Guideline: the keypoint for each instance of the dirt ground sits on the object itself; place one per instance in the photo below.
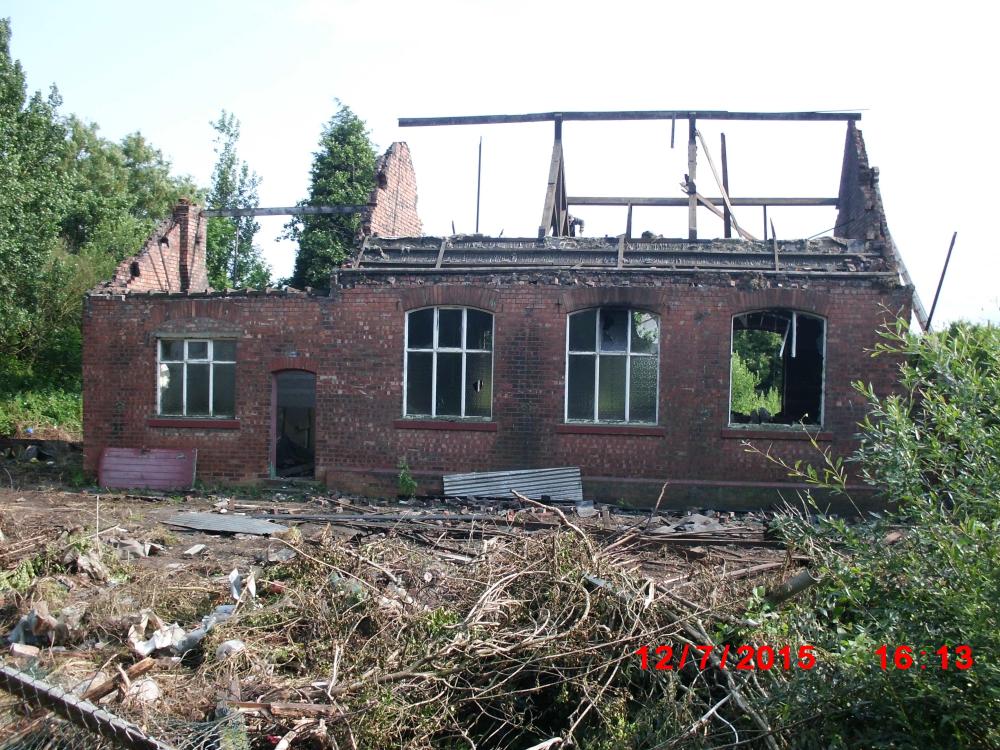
(361, 605)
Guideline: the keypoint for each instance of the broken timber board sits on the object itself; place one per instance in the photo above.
(558, 484)
(153, 468)
(225, 524)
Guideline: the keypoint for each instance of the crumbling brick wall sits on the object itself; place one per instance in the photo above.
(353, 342)
(394, 199)
(172, 260)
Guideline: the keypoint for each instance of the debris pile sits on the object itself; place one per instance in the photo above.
(498, 622)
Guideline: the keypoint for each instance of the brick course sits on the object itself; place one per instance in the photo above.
(353, 341)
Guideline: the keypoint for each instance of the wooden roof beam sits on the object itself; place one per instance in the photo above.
(665, 114)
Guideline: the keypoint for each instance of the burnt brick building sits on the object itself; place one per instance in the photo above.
(472, 353)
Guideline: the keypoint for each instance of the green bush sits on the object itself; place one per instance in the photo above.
(935, 450)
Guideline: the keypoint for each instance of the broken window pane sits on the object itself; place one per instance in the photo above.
(224, 390)
(449, 385)
(172, 388)
(777, 368)
(197, 389)
(418, 382)
(197, 350)
(580, 388)
(642, 390)
(611, 389)
(421, 330)
(645, 333)
(478, 385)
(614, 330)
(478, 330)
(224, 351)
(171, 350)
(450, 328)
(582, 330)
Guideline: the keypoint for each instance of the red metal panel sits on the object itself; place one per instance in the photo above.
(152, 468)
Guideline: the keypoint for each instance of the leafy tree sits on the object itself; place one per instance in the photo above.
(748, 396)
(33, 193)
(233, 259)
(343, 173)
(922, 576)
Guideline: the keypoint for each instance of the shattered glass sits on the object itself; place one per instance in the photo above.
(478, 385)
(614, 330)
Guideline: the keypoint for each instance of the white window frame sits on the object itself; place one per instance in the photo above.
(793, 335)
(628, 354)
(208, 359)
(435, 349)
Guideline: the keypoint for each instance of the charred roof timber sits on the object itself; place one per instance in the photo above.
(861, 246)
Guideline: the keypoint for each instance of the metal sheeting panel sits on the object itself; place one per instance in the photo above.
(155, 468)
(226, 524)
(557, 484)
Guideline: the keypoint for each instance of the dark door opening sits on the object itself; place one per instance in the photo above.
(295, 424)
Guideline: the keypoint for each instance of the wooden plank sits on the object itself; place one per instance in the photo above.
(718, 212)
(663, 114)
(691, 182)
(548, 210)
(283, 211)
(725, 196)
(225, 523)
(577, 200)
(727, 219)
(154, 468)
(440, 258)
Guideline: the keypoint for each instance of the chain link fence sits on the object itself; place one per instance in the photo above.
(40, 714)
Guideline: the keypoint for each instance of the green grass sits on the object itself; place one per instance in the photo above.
(48, 404)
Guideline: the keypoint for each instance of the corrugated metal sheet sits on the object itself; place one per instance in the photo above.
(557, 484)
(152, 468)
(225, 523)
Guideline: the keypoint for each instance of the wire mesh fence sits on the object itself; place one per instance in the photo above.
(38, 713)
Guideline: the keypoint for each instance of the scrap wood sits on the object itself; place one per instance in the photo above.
(287, 710)
(96, 692)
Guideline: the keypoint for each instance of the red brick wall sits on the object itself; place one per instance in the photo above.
(172, 260)
(394, 213)
(353, 341)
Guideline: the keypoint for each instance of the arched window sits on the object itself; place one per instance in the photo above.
(777, 368)
(448, 370)
(612, 366)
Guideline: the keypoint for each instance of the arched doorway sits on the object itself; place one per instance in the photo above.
(293, 444)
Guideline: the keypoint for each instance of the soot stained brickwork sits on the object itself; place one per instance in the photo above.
(352, 340)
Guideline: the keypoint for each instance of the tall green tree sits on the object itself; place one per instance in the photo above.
(33, 193)
(343, 173)
(233, 259)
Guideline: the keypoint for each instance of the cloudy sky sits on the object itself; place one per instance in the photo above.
(922, 77)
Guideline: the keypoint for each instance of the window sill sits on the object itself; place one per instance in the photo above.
(443, 424)
(776, 433)
(204, 423)
(611, 429)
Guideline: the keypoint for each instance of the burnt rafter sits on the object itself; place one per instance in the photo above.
(555, 214)
(556, 220)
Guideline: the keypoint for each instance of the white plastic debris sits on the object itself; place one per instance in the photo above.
(229, 648)
(197, 549)
(144, 691)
